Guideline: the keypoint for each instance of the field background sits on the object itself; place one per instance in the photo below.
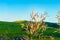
(10, 30)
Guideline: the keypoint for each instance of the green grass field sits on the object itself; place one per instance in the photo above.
(14, 29)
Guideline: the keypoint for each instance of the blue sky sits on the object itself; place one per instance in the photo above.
(12, 10)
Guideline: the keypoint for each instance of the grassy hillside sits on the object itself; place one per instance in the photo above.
(10, 29)
(14, 29)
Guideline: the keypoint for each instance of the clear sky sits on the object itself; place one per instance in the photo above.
(11, 10)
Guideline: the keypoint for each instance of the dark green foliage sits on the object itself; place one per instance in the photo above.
(55, 25)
